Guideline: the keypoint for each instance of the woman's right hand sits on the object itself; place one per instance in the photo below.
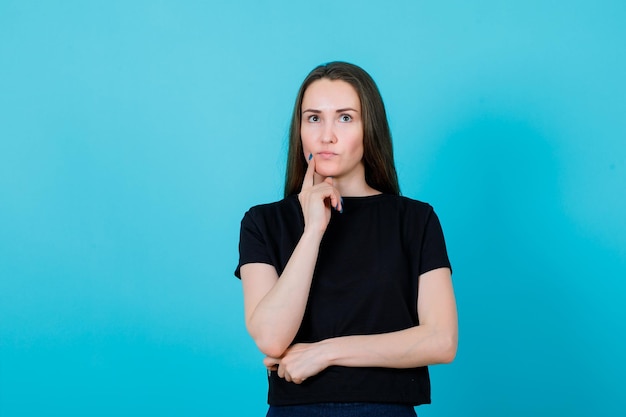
(316, 200)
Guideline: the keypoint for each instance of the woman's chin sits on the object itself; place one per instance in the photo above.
(326, 172)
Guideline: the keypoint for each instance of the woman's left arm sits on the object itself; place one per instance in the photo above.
(433, 341)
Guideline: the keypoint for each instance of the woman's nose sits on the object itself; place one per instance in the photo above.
(328, 135)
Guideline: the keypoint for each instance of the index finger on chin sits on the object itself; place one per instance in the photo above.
(309, 175)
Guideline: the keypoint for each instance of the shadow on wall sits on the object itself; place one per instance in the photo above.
(538, 300)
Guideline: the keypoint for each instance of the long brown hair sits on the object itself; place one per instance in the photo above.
(380, 170)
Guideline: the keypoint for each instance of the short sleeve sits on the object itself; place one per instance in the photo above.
(252, 245)
(433, 248)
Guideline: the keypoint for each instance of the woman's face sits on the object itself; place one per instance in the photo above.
(332, 128)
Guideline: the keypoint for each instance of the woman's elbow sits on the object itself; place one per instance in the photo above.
(271, 349)
(269, 345)
(447, 348)
(267, 342)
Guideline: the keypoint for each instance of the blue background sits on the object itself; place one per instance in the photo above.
(135, 134)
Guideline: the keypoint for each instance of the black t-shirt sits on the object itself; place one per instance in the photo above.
(365, 282)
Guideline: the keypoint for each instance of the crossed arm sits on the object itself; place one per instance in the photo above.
(274, 311)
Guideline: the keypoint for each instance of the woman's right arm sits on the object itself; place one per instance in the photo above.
(274, 307)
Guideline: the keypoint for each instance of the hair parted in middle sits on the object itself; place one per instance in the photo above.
(380, 170)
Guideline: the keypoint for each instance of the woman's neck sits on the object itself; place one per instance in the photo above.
(353, 187)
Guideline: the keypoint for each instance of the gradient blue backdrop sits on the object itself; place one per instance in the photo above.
(135, 134)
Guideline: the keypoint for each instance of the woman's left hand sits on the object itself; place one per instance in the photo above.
(300, 361)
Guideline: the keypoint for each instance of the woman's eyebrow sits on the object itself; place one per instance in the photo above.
(336, 111)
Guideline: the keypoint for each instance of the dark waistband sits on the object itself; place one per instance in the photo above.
(342, 410)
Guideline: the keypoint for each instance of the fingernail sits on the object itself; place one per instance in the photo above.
(341, 199)
(310, 156)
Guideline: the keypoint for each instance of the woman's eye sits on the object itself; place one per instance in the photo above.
(345, 118)
(314, 118)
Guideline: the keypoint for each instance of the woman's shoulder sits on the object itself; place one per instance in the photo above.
(285, 208)
(286, 203)
(408, 203)
(412, 213)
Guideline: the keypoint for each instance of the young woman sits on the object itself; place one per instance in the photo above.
(347, 285)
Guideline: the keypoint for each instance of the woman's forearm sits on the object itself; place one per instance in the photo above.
(421, 345)
(417, 346)
(276, 318)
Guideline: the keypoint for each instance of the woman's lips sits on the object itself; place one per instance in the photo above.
(326, 155)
